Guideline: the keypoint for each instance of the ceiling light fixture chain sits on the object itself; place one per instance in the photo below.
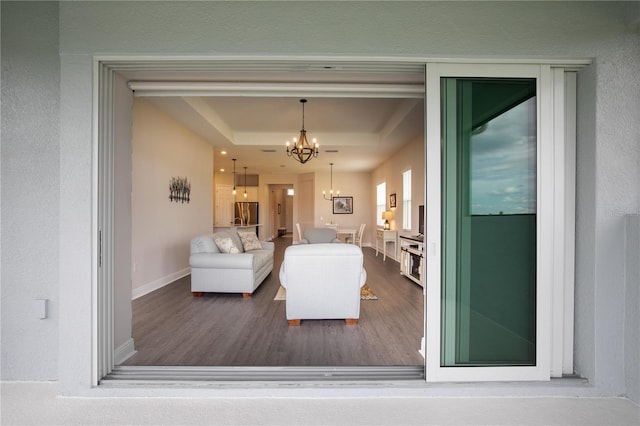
(324, 193)
(302, 151)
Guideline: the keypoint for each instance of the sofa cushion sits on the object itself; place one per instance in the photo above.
(261, 257)
(226, 245)
(234, 237)
(249, 241)
(222, 261)
(204, 244)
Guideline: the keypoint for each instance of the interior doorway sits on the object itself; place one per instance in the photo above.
(281, 202)
(105, 344)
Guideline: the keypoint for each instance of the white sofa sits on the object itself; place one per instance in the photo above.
(214, 271)
(323, 282)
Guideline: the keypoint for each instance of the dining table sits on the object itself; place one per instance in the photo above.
(348, 233)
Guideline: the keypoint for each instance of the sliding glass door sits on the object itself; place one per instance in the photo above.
(487, 293)
(489, 223)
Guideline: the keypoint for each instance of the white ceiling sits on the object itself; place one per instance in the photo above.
(357, 116)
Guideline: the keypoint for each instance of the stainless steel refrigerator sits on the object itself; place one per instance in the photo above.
(246, 213)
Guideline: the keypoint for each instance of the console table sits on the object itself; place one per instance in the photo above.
(386, 236)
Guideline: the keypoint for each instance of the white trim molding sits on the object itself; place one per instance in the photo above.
(159, 283)
(293, 90)
(124, 352)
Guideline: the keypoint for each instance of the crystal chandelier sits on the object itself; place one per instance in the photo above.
(302, 151)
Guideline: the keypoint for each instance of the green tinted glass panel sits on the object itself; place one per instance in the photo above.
(489, 217)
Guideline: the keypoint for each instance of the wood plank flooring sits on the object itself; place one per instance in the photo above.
(173, 328)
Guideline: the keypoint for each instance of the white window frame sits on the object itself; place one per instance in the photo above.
(554, 219)
(381, 202)
(406, 200)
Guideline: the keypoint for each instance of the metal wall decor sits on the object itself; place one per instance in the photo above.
(180, 190)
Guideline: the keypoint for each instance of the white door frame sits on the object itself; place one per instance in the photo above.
(102, 283)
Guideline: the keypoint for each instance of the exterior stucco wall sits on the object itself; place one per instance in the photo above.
(30, 190)
(608, 128)
(616, 194)
(632, 309)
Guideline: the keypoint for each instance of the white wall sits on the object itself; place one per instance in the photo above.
(32, 207)
(411, 156)
(162, 230)
(356, 185)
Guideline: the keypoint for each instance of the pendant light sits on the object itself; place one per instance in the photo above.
(234, 175)
(245, 181)
(324, 194)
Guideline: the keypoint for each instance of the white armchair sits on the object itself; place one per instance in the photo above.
(319, 235)
(323, 282)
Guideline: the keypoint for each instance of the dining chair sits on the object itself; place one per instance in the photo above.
(299, 231)
(358, 239)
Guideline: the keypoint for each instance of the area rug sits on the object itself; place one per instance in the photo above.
(365, 293)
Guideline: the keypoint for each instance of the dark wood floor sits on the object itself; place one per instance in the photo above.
(173, 328)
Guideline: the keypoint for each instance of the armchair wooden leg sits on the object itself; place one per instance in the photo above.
(351, 321)
(294, 322)
(196, 293)
(246, 294)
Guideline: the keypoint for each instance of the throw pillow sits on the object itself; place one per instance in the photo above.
(225, 245)
(250, 241)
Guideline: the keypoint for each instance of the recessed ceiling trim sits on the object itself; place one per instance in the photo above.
(337, 139)
(210, 116)
(327, 90)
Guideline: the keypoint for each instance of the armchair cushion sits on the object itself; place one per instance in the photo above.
(319, 236)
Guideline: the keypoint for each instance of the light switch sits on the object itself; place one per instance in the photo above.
(41, 308)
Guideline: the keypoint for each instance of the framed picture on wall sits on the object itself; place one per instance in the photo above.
(342, 205)
(392, 200)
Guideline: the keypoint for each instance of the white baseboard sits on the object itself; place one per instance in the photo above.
(124, 352)
(159, 283)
